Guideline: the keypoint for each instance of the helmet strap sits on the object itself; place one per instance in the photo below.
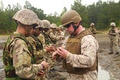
(75, 28)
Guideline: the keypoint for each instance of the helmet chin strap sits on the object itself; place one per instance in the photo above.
(75, 28)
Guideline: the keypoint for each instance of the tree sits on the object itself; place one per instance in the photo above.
(82, 10)
(64, 10)
(39, 12)
(1, 5)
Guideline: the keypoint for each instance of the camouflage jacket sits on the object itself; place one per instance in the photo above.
(37, 48)
(93, 30)
(18, 58)
(89, 48)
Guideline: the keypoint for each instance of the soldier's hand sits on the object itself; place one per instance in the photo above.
(50, 48)
(62, 52)
(54, 55)
(41, 73)
(45, 64)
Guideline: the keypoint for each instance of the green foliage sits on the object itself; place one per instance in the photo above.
(64, 10)
(53, 19)
(82, 10)
(101, 13)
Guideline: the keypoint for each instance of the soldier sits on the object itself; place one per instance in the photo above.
(41, 36)
(60, 36)
(18, 55)
(92, 28)
(33, 39)
(53, 32)
(62, 29)
(49, 42)
(113, 35)
(45, 32)
(37, 47)
(80, 49)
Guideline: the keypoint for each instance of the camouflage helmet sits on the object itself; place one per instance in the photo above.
(60, 26)
(46, 24)
(70, 16)
(92, 24)
(53, 25)
(112, 24)
(40, 25)
(26, 17)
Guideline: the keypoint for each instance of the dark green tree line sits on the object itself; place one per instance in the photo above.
(101, 13)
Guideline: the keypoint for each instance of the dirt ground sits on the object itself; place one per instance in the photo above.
(108, 62)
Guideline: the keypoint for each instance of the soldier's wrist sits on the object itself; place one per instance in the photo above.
(43, 66)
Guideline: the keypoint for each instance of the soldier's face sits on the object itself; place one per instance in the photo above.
(28, 30)
(31, 30)
(69, 29)
(37, 32)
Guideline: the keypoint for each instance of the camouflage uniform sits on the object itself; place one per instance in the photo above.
(48, 42)
(113, 35)
(92, 29)
(84, 60)
(42, 38)
(38, 52)
(35, 41)
(18, 55)
(80, 53)
(50, 39)
(46, 32)
(56, 69)
(53, 32)
(60, 36)
(37, 47)
(23, 60)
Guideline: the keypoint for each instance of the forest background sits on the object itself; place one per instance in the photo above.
(101, 13)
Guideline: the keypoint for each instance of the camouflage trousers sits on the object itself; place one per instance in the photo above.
(56, 72)
(114, 47)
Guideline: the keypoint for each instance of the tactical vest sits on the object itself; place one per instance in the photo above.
(73, 45)
(112, 31)
(8, 61)
(48, 39)
(39, 45)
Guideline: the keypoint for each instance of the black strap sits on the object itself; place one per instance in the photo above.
(10, 73)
